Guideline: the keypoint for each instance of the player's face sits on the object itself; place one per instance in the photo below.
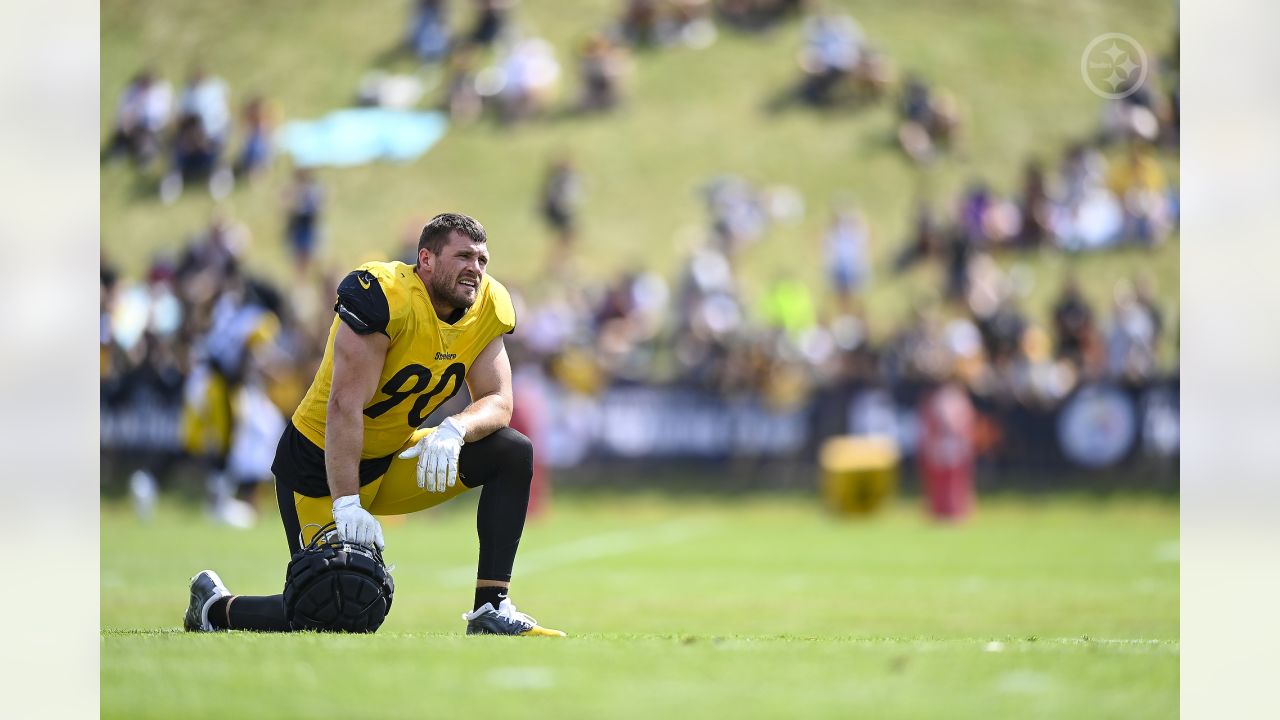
(457, 270)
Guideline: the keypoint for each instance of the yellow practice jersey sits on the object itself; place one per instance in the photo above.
(427, 360)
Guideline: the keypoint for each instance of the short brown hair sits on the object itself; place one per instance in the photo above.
(436, 233)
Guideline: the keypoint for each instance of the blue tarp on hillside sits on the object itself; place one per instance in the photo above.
(362, 135)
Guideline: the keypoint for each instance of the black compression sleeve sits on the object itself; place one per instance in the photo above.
(503, 464)
(362, 304)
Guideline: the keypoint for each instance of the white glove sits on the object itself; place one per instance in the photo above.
(355, 524)
(437, 456)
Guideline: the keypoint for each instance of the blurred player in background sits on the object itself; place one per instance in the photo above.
(404, 340)
(221, 393)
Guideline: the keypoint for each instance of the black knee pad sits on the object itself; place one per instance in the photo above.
(506, 455)
(517, 449)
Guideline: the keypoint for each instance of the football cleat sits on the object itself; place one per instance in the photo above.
(506, 620)
(206, 589)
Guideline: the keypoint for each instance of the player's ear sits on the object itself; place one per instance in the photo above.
(424, 257)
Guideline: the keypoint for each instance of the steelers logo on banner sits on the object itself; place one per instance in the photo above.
(1097, 426)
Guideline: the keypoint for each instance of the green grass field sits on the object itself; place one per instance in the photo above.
(760, 606)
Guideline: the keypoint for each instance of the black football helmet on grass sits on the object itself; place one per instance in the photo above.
(335, 586)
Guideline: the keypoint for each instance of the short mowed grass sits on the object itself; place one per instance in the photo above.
(762, 606)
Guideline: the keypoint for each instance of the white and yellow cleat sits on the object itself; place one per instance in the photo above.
(506, 620)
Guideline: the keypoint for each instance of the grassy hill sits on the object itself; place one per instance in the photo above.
(1014, 64)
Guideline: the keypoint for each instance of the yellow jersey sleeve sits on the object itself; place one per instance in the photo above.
(501, 307)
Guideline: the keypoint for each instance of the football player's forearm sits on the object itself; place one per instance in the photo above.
(343, 441)
(485, 416)
(357, 361)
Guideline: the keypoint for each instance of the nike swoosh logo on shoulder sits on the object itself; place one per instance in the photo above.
(363, 283)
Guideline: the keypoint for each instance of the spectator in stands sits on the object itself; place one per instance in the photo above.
(788, 305)
(555, 323)
(914, 105)
(305, 200)
(927, 238)
(491, 20)
(1035, 207)
(165, 317)
(1140, 185)
(154, 371)
(1002, 331)
(147, 386)
(1083, 168)
(1075, 328)
(975, 206)
(929, 120)
(111, 364)
(918, 350)
(986, 219)
(709, 312)
(256, 153)
(957, 253)
(108, 278)
(209, 259)
(1131, 338)
(201, 135)
(530, 75)
(205, 98)
(428, 36)
(601, 65)
(1172, 133)
(628, 316)
(690, 23)
(142, 320)
(1171, 117)
(833, 50)
(639, 24)
(1035, 379)
(141, 116)
(738, 216)
(560, 197)
(1144, 287)
(1135, 117)
(873, 75)
(654, 23)
(944, 126)
(1089, 215)
(964, 347)
(195, 159)
(462, 99)
(986, 285)
(848, 252)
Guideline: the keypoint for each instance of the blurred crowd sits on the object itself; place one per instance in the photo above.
(202, 360)
(495, 66)
(196, 141)
(703, 331)
(223, 356)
